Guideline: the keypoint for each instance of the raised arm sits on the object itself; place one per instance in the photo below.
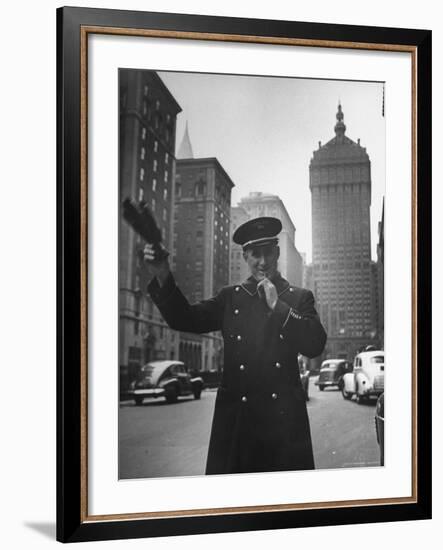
(205, 316)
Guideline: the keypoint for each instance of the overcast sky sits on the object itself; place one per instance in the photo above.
(264, 131)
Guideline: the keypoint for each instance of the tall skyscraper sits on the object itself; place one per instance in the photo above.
(148, 114)
(259, 204)
(340, 183)
(381, 279)
(201, 246)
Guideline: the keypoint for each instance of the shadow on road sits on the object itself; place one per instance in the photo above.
(161, 402)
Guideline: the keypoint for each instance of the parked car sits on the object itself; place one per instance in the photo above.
(380, 426)
(332, 372)
(168, 379)
(368, 376)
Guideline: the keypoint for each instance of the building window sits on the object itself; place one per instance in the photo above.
(145, 108)
(142, 174)
(153, 205)
(141, 194)
(143, 134)
(145, 90)
(157, 105)
(155, 146)
(200, 188)
(154, 184)
(165, 194)
(166, 158)
(154, 165)
(142, 153)
(178, 189)
(165, 215)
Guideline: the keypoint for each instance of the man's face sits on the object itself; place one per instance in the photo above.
(262, 260)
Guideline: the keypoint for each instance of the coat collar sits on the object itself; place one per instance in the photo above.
(250, 285)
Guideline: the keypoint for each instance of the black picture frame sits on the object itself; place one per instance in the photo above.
(73, 523)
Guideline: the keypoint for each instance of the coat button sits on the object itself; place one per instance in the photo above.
(274, 396)
(277, 365)
(244, 399)
(281, 337)
(291, 290)
(237, 288)
(239, 337)
(236, 312)
(242, 367)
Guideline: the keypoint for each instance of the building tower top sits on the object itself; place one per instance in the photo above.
(185, 151)
(340, 127)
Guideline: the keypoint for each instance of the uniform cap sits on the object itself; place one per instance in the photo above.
(259, 231)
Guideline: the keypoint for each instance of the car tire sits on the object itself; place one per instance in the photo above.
(138, 400)
(346, 395)
(321, 387)
(361, 399)
(197, 393)
(171, 395)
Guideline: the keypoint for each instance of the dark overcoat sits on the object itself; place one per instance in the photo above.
(260, 420)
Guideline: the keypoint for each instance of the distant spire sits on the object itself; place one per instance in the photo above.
(340, 127)
(185, 150)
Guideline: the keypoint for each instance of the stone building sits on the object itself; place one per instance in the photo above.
(340, 183)
(148, 114)
(201, 245)
(381, 279)
(259, 204)
(239, 270)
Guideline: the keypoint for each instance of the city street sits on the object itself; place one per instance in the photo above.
(158, 440)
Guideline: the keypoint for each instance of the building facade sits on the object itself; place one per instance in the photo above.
(340, 183)
(201, 247)
(381, 279)
(148, 114)
(259, 204)
(239, 270)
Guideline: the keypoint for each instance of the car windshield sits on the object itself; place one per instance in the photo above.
(378, 359)
(331, 366)
(147, 370)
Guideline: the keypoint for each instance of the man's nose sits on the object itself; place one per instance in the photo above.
(261, 259)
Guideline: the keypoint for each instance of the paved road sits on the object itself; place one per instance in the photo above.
(160, 440)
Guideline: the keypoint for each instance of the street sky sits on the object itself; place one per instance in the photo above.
(263, 130)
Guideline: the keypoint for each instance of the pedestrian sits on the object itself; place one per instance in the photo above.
(260, 421)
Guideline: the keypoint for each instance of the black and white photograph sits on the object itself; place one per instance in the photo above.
(251, 273)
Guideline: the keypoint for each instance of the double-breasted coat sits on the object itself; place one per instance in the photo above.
(260, 421)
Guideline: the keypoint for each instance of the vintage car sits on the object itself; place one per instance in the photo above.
(168, 379)
(367, 378)
(380, 426)
(332, 372)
